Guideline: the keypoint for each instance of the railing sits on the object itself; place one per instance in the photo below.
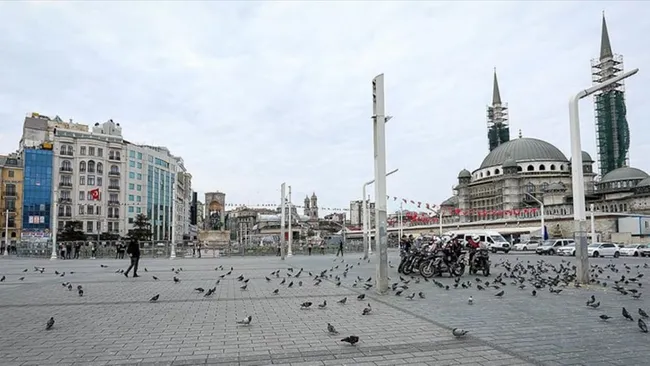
(10, 193)
(63, 214)
(113, 202)
(113, 173)
(65, 200)
(106, 249)
(66, 153)
(115, 158)
(65, 169)
(113, 216)
(114, 188)
(65, 184)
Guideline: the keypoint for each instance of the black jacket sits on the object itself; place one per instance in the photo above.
(133, 248)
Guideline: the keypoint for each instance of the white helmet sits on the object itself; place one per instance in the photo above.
(476, 237)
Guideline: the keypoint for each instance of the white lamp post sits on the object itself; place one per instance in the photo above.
(366, 219)
(172, 254)
(290, 242)
(6, 232)
(541, 205)
(593, 224)
(577, 179)
(282, 220)
(54, 224)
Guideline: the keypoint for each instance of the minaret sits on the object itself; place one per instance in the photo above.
(497, 118)
(612, 131)
(314, 206)
(306, 208)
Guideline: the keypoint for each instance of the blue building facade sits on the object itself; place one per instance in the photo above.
(37, 190)
(160, 182)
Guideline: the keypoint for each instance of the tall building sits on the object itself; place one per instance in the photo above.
(356, 213)
(612, 131)
(37, 193)
(100, 179)
(497, 118)
(11, 198)
(310, 208)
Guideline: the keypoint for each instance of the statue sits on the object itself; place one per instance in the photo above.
(215, 220)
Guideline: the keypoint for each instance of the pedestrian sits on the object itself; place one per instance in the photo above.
(93, 250)
(194, 249)
(77, 249)
(340, 248)
(134, 252)
(63, 253)
(279, 253)
(309, 248)
(322, 247)
(68, 250)
(198, 249)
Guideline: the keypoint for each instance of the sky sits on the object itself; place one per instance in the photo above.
(253, 94)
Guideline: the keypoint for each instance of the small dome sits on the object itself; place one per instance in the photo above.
(464, 174)
(510, 163)
(643, 183)
(624, 173)
(556, 187)
(586, 158)
(523, 149)
(451, 201)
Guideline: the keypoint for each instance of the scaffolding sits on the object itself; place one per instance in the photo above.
(612, 130)
(498, 125)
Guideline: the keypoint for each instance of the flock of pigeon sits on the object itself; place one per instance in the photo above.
(536, 274)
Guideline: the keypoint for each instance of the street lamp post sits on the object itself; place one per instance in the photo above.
(6, 232)
(577, 179)
(54, 218)
(172, 253)
(379, 134)
(289, 250)
(541, 206)
(593, 224)
(282, 220)
(366, 219)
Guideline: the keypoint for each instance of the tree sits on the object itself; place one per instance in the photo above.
(141, 228)
(72, 231)
(109, 236)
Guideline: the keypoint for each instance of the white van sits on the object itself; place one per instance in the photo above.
(494, 241)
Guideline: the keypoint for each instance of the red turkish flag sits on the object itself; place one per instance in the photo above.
(94, 194)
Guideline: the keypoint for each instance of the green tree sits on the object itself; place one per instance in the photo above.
(72, 231)
(141, 228)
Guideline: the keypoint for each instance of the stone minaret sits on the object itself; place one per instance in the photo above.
(497, 118)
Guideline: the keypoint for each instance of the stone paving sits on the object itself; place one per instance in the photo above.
(114, 323)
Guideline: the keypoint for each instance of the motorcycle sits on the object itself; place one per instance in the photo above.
(410, 261)
(480, 262)
(435, 265)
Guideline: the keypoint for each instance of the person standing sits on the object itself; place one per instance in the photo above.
(134, 252)
(77, 249)
(340, 248)
(309, 248)
(198, 249)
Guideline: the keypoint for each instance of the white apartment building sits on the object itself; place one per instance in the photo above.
(85, 162)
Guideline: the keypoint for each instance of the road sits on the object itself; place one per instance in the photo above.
(114, 323)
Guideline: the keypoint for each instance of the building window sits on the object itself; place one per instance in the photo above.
(100, 152)
(542, 167)
(91, 151)
(139, 176)
(100, 168)
(82, 180)
(138, 210)
(138, 198)
(99, 181)
(132, 154)
(82, 150)
(139, 187)
(131, 198)
(131, 163)
(89, 209)
(131, 186)
(131, 208)
(496, 171)
(131, 175)
(81, 209)
(82, 166)
(91, 166)
(11, 174)
(99, 226)
(552, 166)
(90, 180)
(561, 167)
(530, 168)
(89, 226)
(530, 187)
(544, 187)
(139, 165)
(139, 156)
(82, 195)
(115, 169)
(98, 210)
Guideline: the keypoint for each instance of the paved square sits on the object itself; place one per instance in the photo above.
(114, 323)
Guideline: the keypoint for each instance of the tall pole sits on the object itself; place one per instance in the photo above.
(368, 225)
(440, 220)
(593, 224)
(53, 225)
(289, 249)
(364, 218)
(400, 221)
(6, 231)
(172, 253)
(541, 205)
(282, 219)
(381, 232)
(577, 179)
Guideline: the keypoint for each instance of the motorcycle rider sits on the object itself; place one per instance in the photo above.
(474, 243)
(406, 246)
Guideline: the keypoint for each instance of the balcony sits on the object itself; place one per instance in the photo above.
(66, 153)
(113, 202)
(113, 173)
(11, 193)
(65, 185)
(113, 188)
(65, 169)
(10, 209)
(65, 200)
(114, 158)
(113, 216)
(64, 214)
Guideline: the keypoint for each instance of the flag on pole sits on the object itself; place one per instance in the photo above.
(94, 194)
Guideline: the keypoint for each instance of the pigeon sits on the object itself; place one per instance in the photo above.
(642, 325)
(367, 310)
(199, 289)
(331, 329)
(155, 298)
(21, 278)
(627, 315)
(343, 300)
(361, 297)
(245, 321)
(470, 300)
(306, 305)
(411, 296)
(534, 293)
(421, 294)
(459, 332)
(155, 278)
(243, 288)
(595, 305)
(351, 339)
(500, 293)
(643, 313)
(50, 324)
(591, 300)
(81, 292)
(176, 279)
(276, 291)
(267, 279)
(145, 269)
(323, 305)
(605, 317)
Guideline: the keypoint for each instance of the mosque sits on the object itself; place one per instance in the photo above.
(519, 174)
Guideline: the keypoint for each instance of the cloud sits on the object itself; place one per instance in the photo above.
(253, 94)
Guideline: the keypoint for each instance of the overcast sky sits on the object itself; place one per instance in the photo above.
(253, 94)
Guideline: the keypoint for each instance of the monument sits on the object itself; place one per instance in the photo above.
(214, 234)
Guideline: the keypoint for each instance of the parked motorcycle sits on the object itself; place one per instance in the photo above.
(480, 262)
(435, 265)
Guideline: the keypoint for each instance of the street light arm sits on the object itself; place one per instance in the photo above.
(597, 87)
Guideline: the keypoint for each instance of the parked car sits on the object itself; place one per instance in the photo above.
(603, 250)
(569, 249)
(633, 250)
(550, 247)
(530, 245)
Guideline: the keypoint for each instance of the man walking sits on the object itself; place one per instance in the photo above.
(340, 247)
(134, 251)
